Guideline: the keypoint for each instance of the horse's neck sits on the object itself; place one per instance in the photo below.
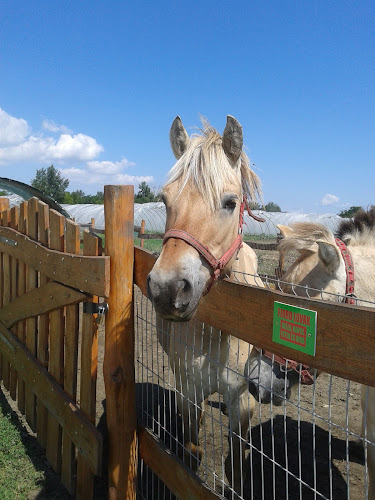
(245, 267)
(364, 272)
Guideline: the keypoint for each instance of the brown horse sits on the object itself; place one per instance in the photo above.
(205, 198)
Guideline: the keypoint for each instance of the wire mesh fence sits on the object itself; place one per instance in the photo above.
(305, 442)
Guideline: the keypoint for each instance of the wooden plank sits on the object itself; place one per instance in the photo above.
(246, 312)
(89, 274)
(172, 471)
(23, 228)
(64, 410)
(4, 203)
(68, 464)
(56, 347)
(262, 246)
(89, 368)
(14, 216)
(41, 300)
(6, 295)
(43, 331)
(31, 323)
(119, 344)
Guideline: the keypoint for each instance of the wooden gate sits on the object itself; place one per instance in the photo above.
(45, 273)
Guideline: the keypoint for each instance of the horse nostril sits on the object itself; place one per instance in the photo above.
(186, 286)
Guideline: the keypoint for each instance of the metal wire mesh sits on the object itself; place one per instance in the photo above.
(305, 444)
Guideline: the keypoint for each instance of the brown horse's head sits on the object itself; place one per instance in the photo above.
(203, 197)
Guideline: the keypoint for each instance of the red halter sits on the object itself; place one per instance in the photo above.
(349, 268)
(216, 264)
(290, 365)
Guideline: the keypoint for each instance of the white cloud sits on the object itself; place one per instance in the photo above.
(12, 130)
(51, 126)
(46, 149)
(18, 144)
(329, 199)
(83, 176)
(110, 167)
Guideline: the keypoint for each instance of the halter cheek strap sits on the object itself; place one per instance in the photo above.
(349, 268)
(217, 265)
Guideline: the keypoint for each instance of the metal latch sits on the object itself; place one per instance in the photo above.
(96, 308)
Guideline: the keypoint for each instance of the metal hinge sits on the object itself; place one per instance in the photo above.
(96, 308)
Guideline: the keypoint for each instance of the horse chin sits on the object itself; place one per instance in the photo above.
(173, 314)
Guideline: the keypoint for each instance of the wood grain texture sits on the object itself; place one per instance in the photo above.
(172, 471)
(68, 464)
(22, 273)
(88, 274)
(56, 347)
(5, 218)
(345, 334)
(14, 216)
(89, 369)
(31, 323)
(43, 327)
(64, 410)
(41, 300)
(119, 374)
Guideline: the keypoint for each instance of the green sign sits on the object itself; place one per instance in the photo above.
(294, 327)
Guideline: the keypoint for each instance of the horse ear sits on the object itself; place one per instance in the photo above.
(329, 255)
(232, 139)
(285, 230)
(178, 137)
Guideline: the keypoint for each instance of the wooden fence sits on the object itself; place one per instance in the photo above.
(45, 274)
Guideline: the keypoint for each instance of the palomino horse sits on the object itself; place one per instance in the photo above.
(205, 197)
(320, 270)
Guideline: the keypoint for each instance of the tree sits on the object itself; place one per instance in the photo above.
(272, 207)
(144, 195)
(350, 212)
(50, 181)
(78, 197)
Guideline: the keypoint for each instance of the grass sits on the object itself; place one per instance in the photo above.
(24, 472)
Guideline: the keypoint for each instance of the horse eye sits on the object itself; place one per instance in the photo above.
(229, 205)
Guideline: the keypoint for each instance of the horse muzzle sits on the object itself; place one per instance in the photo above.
(174, 298)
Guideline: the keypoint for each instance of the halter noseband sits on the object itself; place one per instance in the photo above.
(217, 265)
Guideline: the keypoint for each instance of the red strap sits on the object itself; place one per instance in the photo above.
(349, 268)
(301, 368)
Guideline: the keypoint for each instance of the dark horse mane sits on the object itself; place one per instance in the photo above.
(358, 224)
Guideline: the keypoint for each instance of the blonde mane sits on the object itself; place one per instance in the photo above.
(304, 237)
(205, 164)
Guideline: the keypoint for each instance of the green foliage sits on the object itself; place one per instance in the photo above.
(3, 193)
(272, 207)
(79, 197)
(350, 212)
(50, 181)
(144, 195)
(269, 207)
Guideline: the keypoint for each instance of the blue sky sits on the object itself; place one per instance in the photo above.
(94, 86)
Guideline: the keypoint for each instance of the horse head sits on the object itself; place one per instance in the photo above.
(203, 197)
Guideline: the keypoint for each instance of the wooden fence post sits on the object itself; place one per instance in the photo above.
(118, 367)
(142, 232)
(4, 204)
